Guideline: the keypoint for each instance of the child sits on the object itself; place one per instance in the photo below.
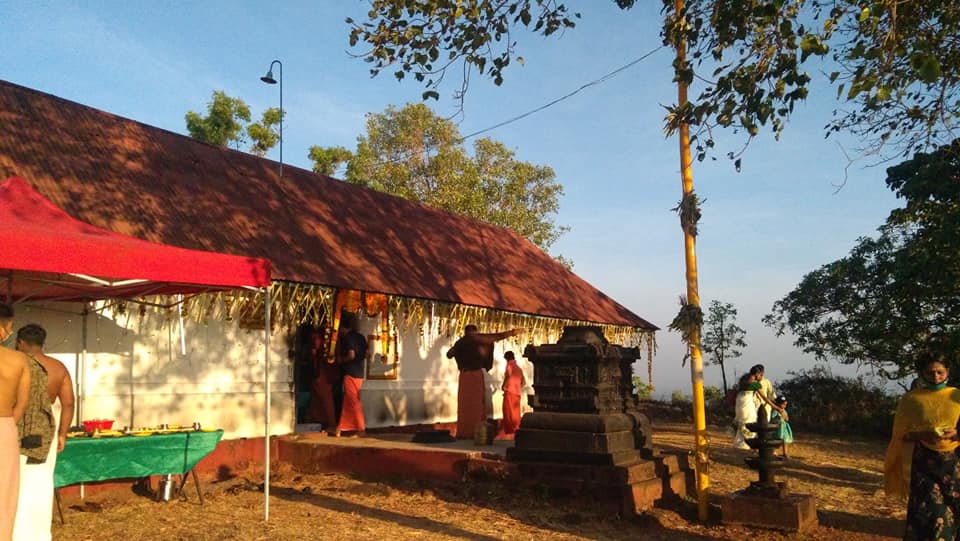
(785, 433)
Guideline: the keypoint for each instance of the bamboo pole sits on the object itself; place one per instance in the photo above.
(693, 293)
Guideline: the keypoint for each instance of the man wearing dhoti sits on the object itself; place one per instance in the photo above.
(48, 417)
(352, 351)
(474, 355)
(14, 393)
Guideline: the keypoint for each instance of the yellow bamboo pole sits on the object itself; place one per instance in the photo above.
(693, 294)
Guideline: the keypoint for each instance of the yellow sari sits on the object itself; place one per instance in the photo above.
(919, 409)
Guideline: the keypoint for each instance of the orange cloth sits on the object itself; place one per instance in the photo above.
(9, 476)
(351, 416)
(470, 406)
(511, 413)
(513, 381)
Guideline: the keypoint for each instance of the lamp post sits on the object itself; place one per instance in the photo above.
(268, 78)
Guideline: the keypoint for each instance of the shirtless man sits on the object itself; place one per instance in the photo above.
(474, 355)
(14, 390)
(35, 507)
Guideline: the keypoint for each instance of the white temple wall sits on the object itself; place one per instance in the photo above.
(425, 390)
(137, 374)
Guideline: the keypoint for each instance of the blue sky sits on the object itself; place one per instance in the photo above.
(762, 229)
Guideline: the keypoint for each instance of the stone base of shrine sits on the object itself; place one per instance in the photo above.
(607, 457)
(792, 513)
(629, 488)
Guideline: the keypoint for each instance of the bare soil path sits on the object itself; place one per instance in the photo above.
(844, 475)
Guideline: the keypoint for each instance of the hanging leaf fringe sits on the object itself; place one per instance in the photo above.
(294, 303)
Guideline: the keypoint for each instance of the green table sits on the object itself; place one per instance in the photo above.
(99, 459)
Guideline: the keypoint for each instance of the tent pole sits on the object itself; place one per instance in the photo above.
(266, 408)
(81, 373)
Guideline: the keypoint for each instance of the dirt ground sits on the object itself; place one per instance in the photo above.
(844, 475)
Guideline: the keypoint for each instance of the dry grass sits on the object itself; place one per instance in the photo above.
(843, 475)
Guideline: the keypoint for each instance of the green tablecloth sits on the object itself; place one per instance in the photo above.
(99, 459)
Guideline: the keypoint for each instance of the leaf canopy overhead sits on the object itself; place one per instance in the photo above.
(895, 64)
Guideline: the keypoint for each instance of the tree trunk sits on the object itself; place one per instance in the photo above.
(723, 374)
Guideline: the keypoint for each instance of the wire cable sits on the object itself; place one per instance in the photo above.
(595, 82)
(511, 120)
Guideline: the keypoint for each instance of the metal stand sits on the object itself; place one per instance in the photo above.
(196, 484)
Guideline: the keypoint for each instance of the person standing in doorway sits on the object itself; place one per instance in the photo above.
(14, 393)
(513, 384)
(474, 355)
(351, 352)
(50, 412)
(328, 376)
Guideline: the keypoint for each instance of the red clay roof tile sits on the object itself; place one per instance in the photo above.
(165, 187)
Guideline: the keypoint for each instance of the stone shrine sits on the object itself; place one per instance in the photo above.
(586, 432)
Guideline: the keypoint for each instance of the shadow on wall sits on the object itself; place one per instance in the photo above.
(137, 374)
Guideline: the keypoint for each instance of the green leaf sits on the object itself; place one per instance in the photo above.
(926, 66)
(811, 44)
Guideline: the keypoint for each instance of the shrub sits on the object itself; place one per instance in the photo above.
(818, 401)
(677, 399)
(641, 389)
(717, 410)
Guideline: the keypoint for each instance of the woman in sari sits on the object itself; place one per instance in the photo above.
(746, 410)
(749, 399)
(921, 461)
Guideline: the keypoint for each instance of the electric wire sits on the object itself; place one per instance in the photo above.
(521, 116)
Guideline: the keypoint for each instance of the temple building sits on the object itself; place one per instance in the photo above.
(414, 275)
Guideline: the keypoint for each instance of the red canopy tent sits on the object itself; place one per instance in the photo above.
(46, 254)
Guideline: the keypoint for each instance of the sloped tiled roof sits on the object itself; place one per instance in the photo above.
(164, 187)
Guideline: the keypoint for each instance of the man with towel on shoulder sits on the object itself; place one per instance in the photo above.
(14, 391)
(48, 416)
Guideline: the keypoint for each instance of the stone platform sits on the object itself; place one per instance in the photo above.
(791, 513)
(603, 456)
(632, 488)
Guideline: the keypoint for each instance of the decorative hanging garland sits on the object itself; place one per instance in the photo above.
(295, 303)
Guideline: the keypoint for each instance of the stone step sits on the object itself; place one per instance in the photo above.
(643, 495)
(637, 486)
(669, 463)
(602, 476)
(615, 458)
(574, 442)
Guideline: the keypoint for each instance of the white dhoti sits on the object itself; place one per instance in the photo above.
(35, 504)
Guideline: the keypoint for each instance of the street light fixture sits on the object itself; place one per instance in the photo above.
(268, 78)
